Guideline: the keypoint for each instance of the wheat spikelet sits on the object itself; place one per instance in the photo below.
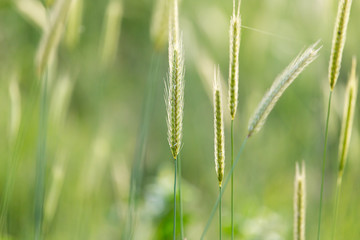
(174, 89)
(111, 32)
(348, 116)
(339, 38)
(235, 26)
(299, 203)
(279, 86)
(218, 129)
(51, 36)
(15, 114)
(74, 23)
(160, 24)
(33, 11)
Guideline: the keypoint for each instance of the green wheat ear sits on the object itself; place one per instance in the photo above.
(299, 203)
(279, 86)
(338, 42)
(235, 26)
(348, 116)
(174, 89)
(219, 144)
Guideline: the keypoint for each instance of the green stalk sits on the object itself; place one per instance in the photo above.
(41, 163)
(220, 214)
(140, 147)
(232, 180)
(14, 155)
(337, 196)
(174, 228)
(323, 163)
(180, 200)
(223, 188)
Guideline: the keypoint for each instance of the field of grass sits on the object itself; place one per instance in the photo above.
(84, 152)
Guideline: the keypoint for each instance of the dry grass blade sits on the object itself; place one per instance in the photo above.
(299, 203)
(279, 86)
(348, 116)
(219, 145)
(339, 37)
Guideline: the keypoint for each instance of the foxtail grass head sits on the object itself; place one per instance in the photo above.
(338, 42)
(299, 203)
(175, 86)
(219, 140)
(279, 86)
(348, 116)
(235, 26)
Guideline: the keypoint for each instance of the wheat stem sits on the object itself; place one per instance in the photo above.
(136, 173)
(174, 226)
(232, 179)
(220, 214)
(180, 200)
(323, 162)
(337, 200)
(41, 162)
(227, 179)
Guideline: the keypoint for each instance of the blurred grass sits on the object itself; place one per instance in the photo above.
(294, 130)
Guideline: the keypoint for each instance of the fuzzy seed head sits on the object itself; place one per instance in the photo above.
(235, 26)
(348, 117)
(174, 89)
(299, 203)
(280, 84)
(338, 42)
(219, 140)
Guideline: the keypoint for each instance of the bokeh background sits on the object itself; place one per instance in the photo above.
(106, 117)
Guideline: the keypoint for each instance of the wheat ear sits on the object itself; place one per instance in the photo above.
(279, 86)
(338, 42)
(348, 116)
(218, 129)
(299, 203)
(175, 86)
(235, 26)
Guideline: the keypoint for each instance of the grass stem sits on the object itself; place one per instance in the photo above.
(323, 162)
(223, 188)
(180, 200)
(220, 213)
(232, 180)
(174, 227)
(141, 146)
(41, 162)
(337, 199)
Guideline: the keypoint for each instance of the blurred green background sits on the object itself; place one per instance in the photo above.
(104, 96)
